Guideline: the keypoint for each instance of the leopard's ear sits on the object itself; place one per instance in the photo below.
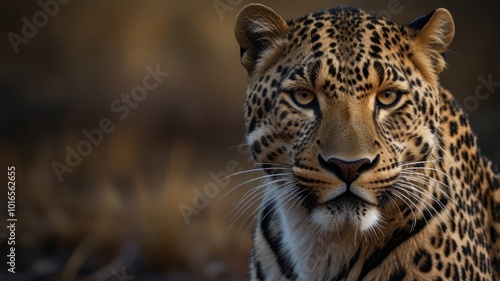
(257, 28)
(433, 34)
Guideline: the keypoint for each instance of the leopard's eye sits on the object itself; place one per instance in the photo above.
(303, 97)
(388, 98)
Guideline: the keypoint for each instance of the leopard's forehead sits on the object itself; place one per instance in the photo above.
(346, 43)
(346, 30)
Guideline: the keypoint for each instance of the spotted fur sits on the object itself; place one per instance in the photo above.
(374, 172)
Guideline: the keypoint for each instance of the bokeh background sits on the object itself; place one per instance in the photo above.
(116, 215)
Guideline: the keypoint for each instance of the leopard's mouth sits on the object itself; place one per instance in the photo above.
(348, 198)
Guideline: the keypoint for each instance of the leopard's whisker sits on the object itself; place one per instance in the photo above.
(262, 185)
(419, 162)
(431, 169)
(252, 171)
(403, 192)
(273, 208)
(237, 146)
(404, 199)
(262, 202)
(433, 198)
(254, 189)
(417, 177)
(274, 164)
(254, 200)
(255, 179)
(248, 204)
(444, 152)
(262, 191)
(252, 215)
(395, 203)
(415, 171)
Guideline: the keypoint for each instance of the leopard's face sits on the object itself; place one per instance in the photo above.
(341, 104)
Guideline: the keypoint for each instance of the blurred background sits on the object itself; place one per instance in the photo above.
(143, 198)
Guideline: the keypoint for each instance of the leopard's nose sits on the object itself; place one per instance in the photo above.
(347, 171)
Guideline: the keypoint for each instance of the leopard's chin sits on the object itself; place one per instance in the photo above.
(346, 213)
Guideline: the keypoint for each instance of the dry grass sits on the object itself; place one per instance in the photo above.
(116, 218)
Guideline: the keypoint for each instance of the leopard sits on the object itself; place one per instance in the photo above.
(372, 169)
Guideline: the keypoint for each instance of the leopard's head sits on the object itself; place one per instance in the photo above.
(338, 102)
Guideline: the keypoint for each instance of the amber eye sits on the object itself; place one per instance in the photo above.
(303, 97)
(388, 98)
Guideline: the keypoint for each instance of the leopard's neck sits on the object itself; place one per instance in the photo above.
(474, 176)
